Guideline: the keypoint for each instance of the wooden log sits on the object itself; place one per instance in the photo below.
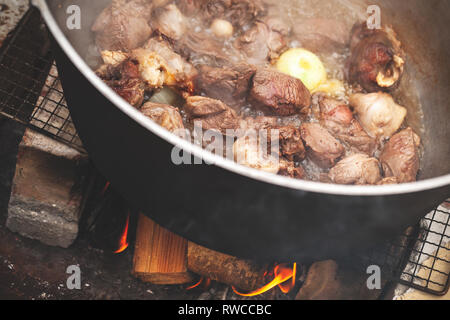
(242, 274)
(159, 256)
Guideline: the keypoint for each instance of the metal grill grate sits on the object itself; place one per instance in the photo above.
(428, 266)
(52, 115)
(30, 92)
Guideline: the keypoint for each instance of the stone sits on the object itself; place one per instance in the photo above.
(44, 203)
(321, 282)
(327, 280)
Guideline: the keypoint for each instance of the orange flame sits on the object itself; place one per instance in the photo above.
(282, 274)
(206, 283)
(123, 241)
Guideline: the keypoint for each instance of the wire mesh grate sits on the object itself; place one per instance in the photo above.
(30, 90)
(52, 114)
(428, 264)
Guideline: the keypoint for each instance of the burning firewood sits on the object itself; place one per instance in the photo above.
(162, 257)
(159, 256)
(223, 268)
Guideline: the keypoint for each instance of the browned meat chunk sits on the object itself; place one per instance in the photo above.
(166, 116)
(378, 113)
(261, 43)
(322, 148)
(125, 80)
(291, 144)
(400, 157)
(228, 84)
(123, 25)
(131, 90)
(337, 117)
(321, 35)
(356, 169)
(212, 114)
(377, 59)
(279, 93)
(170, 22)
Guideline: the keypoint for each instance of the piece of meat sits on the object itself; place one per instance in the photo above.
(131, 90)
(378, 113)
(166, 116)
(170, 22)
(261, 43)
(111, 61)
(279, 93)
(228, 84)
(321, 35)
(153, 68)
(357, 169)
(125, 80)
(377, 59)
(183, 72)
(248, 152)
(211, 114)
(238, 12)
(337, 117)
(113, 58)
(123, 25)
(400, 156)
(322, 148)
(291, 144)
(159, 66)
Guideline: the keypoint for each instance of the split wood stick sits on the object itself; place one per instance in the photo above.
(159, 256)
(242, 274)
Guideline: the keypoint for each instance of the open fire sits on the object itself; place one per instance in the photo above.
(284, 279)
(282, 276)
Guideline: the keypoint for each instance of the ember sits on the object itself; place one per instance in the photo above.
(282, 275)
